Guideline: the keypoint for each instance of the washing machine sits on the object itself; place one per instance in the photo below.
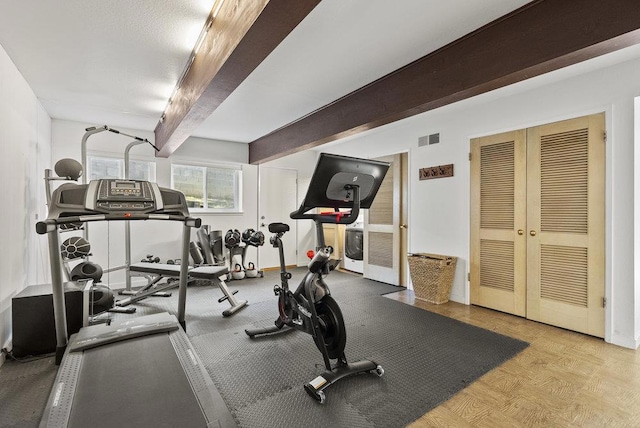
(354, 246)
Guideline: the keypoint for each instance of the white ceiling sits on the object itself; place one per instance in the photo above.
(116, 62)
(111, 62)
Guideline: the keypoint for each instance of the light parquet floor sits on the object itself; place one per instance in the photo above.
(563, 379)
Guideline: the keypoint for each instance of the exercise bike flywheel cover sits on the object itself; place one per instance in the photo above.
(332, 328)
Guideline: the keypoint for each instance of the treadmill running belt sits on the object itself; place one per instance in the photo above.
(142, 392)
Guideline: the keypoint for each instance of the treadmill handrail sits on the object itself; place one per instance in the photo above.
(44, 226)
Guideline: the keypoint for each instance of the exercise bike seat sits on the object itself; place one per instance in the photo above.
(278, 227)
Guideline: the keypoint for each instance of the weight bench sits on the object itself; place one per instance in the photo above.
(157, 271)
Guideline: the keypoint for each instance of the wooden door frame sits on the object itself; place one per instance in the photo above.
(404, 218)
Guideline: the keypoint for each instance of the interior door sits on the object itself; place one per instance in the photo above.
(498, 222)
(537, 223)
(382, 228)
(565, 236)
(278, 193)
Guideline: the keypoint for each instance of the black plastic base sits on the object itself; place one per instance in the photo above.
(316, 387)
(266, 330)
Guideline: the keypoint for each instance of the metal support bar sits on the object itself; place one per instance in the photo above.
(96, 129)
(184, 271)
(127, 224)
(59, 308)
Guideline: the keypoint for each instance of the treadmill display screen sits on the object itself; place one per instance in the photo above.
(121, 185)
(125, 188)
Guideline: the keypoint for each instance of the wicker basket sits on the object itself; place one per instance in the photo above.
(432, 276)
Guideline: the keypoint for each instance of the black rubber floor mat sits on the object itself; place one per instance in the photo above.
(427, 358)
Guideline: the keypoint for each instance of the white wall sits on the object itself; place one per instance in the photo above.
(26, 142)
(160, 238)
(439, 209)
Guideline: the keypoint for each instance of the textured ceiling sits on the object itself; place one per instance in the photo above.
(104, 62)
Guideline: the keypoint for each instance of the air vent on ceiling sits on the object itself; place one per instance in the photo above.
(428, 140)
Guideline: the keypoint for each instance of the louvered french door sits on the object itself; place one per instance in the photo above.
(498, 212)
(556, 252)
(565, 222)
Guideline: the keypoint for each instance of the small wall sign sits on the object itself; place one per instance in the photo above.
(439, 171)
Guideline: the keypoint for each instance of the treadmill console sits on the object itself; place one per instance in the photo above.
(113, 196)
(124, 195)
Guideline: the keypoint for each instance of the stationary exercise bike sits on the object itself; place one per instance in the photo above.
(338, 182)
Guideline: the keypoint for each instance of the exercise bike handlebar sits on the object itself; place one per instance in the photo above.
(336, 217)
(48, 225)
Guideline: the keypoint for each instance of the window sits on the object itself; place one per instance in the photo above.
(99, 167)
(216, 189)
(106, 167)
(142, 170)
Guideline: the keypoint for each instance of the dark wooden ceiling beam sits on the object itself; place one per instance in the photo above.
(241, 36)
(538, 38)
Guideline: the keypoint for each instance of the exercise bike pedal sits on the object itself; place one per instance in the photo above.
(223, 298)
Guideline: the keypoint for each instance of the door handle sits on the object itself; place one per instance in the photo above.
(520, 232)
(532, 232)
(403, 226)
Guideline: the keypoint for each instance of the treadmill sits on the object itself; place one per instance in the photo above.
(140, 372)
